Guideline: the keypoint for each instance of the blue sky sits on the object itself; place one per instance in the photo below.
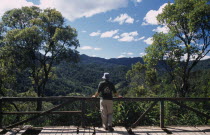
(106, 28)
(129, 39)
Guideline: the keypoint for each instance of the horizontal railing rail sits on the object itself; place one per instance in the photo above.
(8, 99)
(66, 99)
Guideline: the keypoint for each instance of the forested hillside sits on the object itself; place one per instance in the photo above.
(84, 76)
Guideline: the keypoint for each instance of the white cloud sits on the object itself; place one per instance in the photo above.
(86, 48)
(70, 9)
(90, 48)
(184, 58)
(93, 34)
(163, 29)
(138, 1)
(97, 49)
(123, 18)
(73, 9)
(150, 18)
(141, 38)
(129, 53)
(148, 41)
(116, 37)
(108, 34)
(84, 31)
(125, 54)
(128, 37)
(124, 37)
(121, 56)
(10, 4)
(205, 57)
(142, 54)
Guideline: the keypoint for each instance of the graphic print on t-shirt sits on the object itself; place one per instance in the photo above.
(106, 90)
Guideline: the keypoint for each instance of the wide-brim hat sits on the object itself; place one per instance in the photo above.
(105, 76)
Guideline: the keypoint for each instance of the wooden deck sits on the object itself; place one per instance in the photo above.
(72, 130)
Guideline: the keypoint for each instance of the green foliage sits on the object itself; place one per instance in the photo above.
(173, 65)
(180, 50)
(35, 40)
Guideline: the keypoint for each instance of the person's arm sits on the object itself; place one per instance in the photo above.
(95, 95)
(98, 91)
(117, 95)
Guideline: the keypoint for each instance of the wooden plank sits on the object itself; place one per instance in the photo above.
(69, 130)
(120, 131)
(72, 130)
(66, 130)
(185, 131)
(149, 130)
(60, 130)
(100, 131)
(81, 131)
(157, 131)
(175, 131)
(141, 130)
(91, 130)
(54, 131)
(205, 129)
(197, 131)
(51, 131)
(46, 131)
(190, 131)
(20, 132)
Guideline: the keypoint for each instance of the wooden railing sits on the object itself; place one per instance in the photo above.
(84, 100)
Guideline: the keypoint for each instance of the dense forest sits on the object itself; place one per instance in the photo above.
(84, 76)
(39, 57)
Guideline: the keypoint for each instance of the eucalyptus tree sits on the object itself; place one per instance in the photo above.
(187, 42)
(37, 39)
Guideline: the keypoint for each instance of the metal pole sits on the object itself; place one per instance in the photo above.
(162, 114)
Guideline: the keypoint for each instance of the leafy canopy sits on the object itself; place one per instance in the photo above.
(36, 39)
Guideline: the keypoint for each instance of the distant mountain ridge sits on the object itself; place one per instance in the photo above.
(118, 61)
(203, 64)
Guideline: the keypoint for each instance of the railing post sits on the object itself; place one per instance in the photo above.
(162, 114)
(1, 116)
(83, 119)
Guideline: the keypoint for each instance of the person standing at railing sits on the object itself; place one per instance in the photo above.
(106, 89)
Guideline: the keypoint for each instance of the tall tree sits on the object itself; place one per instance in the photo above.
(36, 39)
(187, 42)
(136, 77)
